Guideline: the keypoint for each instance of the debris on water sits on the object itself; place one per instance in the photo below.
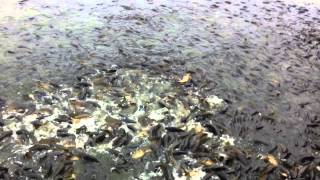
(140, 153)
(207, 162)
(227, 140)
(186, 78)
(214, 101)
(158, 114)
(271, 159)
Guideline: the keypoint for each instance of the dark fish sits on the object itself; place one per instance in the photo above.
(235, 153)
(63, 133)
(174, 129)
(94, 104)
(3, 170)
(208, 176)
(267, 170)
(179, 153)
(85, 93)
(183, 144)
(268, 118)
(25, 135)
(81, 78)
(1, 121)
(82, 129)
(127, 7)
(166, 140)
(259, 127)
(222, 175)
(39, 147)
(132, 128)
(89, 158)
(30, 174)
(122, 139)
(144, 121)
(22, 2)
(215, 168)
(114, 152)
(36, 124)
(306, 160)
(2, 103)
(199, 154)
(313, 125)
(167, 172)
(273, 149)
(194, 143)
(155, 132)
(84, 84)
(303, 171)
(49, 141)
(84, 156)
(5, 134)
(164, 104)
(211, 128)
(100, 137)
(63, 118)
(203, 116)
(30, 108)
(259, 142)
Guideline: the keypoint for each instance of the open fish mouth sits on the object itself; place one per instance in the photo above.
(120, 123)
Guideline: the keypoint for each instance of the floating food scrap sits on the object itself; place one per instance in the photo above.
(140, 153)
(207, 162)
(271, 159)
(118, 121)
(186, 78)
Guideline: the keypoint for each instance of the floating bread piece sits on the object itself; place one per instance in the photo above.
(139, 153)
(186, 78)
(271, 159)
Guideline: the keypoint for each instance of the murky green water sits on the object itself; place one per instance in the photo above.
(260, 56)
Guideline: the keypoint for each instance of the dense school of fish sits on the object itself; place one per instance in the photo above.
(260, 59)
(120, 123)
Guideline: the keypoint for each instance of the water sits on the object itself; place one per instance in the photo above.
(260, 56)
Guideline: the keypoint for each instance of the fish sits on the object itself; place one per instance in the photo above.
(306, 160)
(5, 134)
(25, 135)
(63, 118)
(132, 128)
(155, 132)
(39, 147)
(36, 123)
(63, 133)
(84, 156)
(49, 141)
(84, 84)
(2, 103)
(122, 140)
(174, 129)
(100, 137)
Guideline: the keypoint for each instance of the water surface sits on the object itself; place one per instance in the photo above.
(260, 56)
